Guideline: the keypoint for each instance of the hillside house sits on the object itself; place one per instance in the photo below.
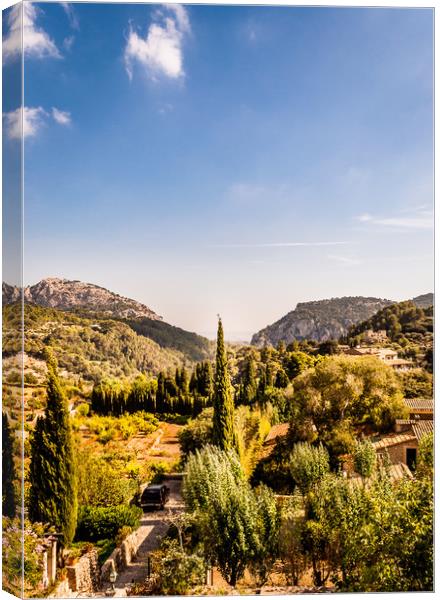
(371, 336)
(420, 408)
(386, 355)
(402, 446)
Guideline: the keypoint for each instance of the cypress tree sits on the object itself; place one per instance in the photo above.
(9, 507)
(223, 402)
(52, 471)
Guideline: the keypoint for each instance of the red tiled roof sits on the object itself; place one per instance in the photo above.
(277, 431)
(420, 403)
(422, 428)
(396, 472)
(394, 440)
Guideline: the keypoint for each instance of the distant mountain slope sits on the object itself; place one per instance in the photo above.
(64, 294)
(193, 346)
(94, 303)
(320, 320)
(92, 349)
(424, 300)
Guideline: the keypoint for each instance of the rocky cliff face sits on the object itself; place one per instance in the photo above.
(70, 295)
(320, 320)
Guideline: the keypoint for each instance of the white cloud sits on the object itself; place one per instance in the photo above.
(62, 117)
(31, 120)
(160, 53)
(68, 42)
(418, 218)
(36, 42)
(71, 14)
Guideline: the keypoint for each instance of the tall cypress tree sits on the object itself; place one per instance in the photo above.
(223, 402)
(52, 472)
(9, 507)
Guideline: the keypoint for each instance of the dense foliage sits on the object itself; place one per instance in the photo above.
(91, 347)
(52, 471)
(194, 347)
(238, 526)
(343, 391)
(166, 394)
(408, 326)
(9, 505)
(104, 522)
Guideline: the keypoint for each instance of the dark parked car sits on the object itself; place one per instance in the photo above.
(155, 497)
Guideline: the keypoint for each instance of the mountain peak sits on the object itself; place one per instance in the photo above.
(66, 294)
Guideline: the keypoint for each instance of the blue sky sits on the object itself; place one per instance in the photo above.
(232, 160)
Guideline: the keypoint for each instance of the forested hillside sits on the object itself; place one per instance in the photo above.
(404, 323)
(91, 348)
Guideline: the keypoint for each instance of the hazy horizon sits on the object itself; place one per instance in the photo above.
(227, 159)
(231, 335)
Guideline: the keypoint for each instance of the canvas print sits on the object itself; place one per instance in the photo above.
(217, 299)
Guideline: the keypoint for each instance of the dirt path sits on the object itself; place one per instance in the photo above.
(152, 529)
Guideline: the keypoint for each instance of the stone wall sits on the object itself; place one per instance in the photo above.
(84, 576)
(121, 556)
(397, 453)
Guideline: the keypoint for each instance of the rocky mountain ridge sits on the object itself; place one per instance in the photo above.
(320, 320)
(68, 295)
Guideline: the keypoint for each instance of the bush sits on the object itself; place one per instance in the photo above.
(197, 433)
(83, 409)
(104, 522)
(178, 571)
(308, 464)
(364, 458)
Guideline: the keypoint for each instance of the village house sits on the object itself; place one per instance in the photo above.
(375, 337)
(400, 448)
(386, 355)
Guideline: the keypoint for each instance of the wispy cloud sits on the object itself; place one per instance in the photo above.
(63, 117)
(419, 218)
(29, 121)
(160, 52)
(346, 260)
(280, 245)
(71, 14)
(36, 42)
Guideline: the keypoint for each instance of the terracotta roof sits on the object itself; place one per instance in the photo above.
(394, 440)
(420, 403)
(396, 472)
(277, 431)
(406, 421)
(422, 427)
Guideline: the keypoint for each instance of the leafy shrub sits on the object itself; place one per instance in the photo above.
(104, 482)
(83, 409)
(178, 571)
(308, 465)
(104, 522)
(197, 433)
(364, 458)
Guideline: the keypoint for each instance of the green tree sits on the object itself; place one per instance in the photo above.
(8, 470)
(52, 471)
(237, 526)
(308, 464)
(364, 458)
(223, 402)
